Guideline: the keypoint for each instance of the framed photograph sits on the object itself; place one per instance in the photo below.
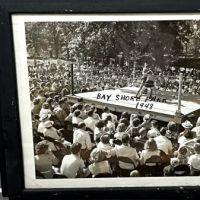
(100, 100)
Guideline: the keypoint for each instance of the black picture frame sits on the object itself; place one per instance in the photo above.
(11, 145)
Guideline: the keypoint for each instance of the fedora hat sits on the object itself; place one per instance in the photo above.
(187, 124)
(48, 124)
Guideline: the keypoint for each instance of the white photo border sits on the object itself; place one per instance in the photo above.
(18, 25)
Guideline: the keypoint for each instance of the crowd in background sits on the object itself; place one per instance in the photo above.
(96, 77)
(79, 140)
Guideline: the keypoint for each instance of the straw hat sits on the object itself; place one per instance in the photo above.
(44, 117)
(187, 124)
(48, 124)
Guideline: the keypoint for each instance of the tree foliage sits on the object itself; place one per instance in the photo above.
(159, 41)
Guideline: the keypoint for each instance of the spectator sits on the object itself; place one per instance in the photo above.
(150, 149)
(82, 137)
(90, 121)
(45, 109)
(44, 160)
(153, 132)
(163, 143)
(194, 161)
(99, 165)
(72, 165)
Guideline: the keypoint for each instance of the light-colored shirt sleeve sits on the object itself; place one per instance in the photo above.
(88, 142)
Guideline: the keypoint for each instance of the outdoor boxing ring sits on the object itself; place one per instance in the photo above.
(167, 107)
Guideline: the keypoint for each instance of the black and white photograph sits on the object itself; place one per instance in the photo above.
(109, 100)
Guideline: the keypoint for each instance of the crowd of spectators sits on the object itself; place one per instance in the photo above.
(95, 77)
(79, 140)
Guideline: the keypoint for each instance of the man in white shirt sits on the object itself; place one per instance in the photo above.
(41, 125)
(154, 130)
(82, 137)
(163, 143)
(104, 143)
(126, 151)
(90, 121)
(107, 113)
(194, 160)
(72, 165)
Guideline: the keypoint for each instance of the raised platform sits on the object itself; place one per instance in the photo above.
(160, 107)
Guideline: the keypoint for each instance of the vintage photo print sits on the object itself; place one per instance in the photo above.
(109, 100)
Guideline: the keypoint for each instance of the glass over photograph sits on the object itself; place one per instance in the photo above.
(112, 99)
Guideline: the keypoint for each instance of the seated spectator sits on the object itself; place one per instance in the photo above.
(163, 143)
(153, 132)
(142, 134)
(182, 155)
(132, 117)
(133, 129)
(50, 131)
(107, 112)
(41, 125)
(90, 121)
(45, 109)
(41, 97)
(120, 131)
(60, 112)
(81, 136)
(104, 143)
(187, 134)
(44, 159)
(110, 126)
(81, 109)
(146, 122)
(197, 127)
(176, 168)
(99, 130)
(124, 115)
(125, 151)
(95, 114)
(194, 161)
(150, 149)
(35, 108)
(76, 118)
(171, 132)
(99, 165)
(72, 165)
